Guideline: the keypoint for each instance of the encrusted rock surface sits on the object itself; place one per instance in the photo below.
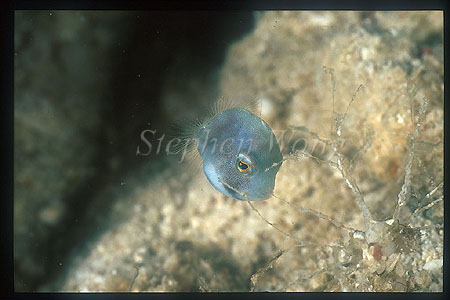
(173, 232)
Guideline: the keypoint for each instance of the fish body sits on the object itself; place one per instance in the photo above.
(240, 154)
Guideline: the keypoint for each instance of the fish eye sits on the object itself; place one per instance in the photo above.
(244, 164)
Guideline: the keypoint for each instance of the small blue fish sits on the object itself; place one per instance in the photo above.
(240, 154)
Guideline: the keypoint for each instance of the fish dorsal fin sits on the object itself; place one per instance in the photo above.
(186, 130)
(183, 133)
(224, 103)
(219, 106)
(254, 106)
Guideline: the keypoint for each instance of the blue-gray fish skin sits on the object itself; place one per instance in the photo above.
(239, 151)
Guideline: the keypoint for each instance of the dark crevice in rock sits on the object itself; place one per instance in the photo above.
(132, 101)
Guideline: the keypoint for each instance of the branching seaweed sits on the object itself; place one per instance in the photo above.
(402, 199)
(339, 120)
(254, 278)
(134, 278)
(299, 242)
(319, 215)
(389, 236)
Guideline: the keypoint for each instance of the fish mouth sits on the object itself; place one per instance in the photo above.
(242, 196)
(233, 193)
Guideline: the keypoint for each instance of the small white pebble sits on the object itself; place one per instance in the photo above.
(359, 235)
(137, 258)
(266, 107)
(433, 264)
(320, 20)
(365, 53)
(101, 248)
